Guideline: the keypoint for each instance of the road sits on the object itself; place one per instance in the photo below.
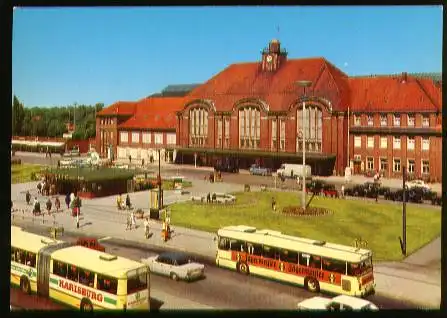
(224, 289)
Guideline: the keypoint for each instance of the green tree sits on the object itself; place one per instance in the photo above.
(18, 115)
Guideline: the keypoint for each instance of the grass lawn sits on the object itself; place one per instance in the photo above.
(378, 223)
(22, 173)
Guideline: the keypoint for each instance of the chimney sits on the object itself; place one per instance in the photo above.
(404, 77)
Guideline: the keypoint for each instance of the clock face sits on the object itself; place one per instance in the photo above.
(269, 58)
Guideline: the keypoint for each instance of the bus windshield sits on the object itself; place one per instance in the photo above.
(361, 268)
(136, 281)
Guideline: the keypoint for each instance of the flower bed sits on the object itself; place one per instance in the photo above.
(310, 211)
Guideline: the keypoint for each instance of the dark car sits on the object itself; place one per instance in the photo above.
(411, 196)
(436, 200)
(357, 190)
(383, 190)
(371, 189)
(229, 167)
(426, 193)
(329, 190)
(315, 186)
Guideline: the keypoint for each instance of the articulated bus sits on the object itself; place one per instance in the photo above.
(77, 276)
(316, 265)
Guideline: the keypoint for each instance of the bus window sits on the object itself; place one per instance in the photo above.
(254, 249)
(73, 273)
(289, 256)
(315, 261)
(59, 269)
(107, 284)
(358, 269)
(304, 259)
(30, 259)
(238, 246)
(334, 265)
(224, 243)
(20, 256)
(270, 252)
(86, 277)
(13, 254)
(136, 283)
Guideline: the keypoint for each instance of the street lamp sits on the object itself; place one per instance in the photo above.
(159, 180)
(304, 84)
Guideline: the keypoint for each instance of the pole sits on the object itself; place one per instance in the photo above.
(304, 156)
(404, 212)
(347, 159)
(159, 180)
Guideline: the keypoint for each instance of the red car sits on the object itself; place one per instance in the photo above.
(329, 190)
(91, 243)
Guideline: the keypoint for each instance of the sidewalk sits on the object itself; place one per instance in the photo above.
(100, 218)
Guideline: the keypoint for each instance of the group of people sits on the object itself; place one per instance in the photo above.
(123, 205)
(48, 203)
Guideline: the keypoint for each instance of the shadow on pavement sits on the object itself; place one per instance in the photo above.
(156, 304)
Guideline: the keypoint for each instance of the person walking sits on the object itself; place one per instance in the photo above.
(146, 228)
(128, 223)
(273, 204)
(36, 209)
(67, 200)
(133, 220)
(128, 205)
(57, 204)
(49, 205)
(28, 197)
(343, 191)
(39, 188)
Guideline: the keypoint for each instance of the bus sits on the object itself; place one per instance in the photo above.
(77, 276)
(315, 265)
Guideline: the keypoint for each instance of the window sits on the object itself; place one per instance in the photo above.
(425, 143)
(158, 138)
(358, 157)
(370, 120)
(425, 166)
(303, 259)
(282, 145)
(73, 273)
(370, 163)
(383, 164)
(333, 265)
(107, 284)
(137, 281)
(59, 269)
(270, 252)
(425, 121)
(315, 261)
(383, 120)
(396, 165)
(249, 127)
(198, 126)
(396, 142)
(146, 138)
(219, 132)
(171, 139)
(124, 136)
(227, 133)
(274, 143)
(370, 142)
(410, 120)
(254, 249)
(135, 137)
(410, 143)
(357, 141)
(224, 243)
(410, 165)
(289, 256)
(357, 120)
(383, 142)
(102, 121)
(396, 120)
(86, 277)
(23, 257)
(238, 246)
(312, 130)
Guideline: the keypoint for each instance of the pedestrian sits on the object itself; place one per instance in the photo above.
(129, 222)
(72, 197)
(58, 164)
(57, 204)
(142, 163)
(208, 198)
(43, 187)
(49, 205)
(28, 197)
(39, 188)
(128, 205)
(67, 200)
(146, 227)
(36, 209)
(130, 158)
(273, 204)
(343, 191)
(133, 220)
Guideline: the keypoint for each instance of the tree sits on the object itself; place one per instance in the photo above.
(18, 115)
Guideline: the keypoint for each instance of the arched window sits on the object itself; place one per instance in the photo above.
(198, 127)
(249, 128)
(312, 130)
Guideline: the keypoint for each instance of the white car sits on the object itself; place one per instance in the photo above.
(339, 303)
(176, 265)
(417, 184)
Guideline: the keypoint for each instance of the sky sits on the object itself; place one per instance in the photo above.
(62, 56)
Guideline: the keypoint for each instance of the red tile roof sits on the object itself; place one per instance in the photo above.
(154, 113)
(278, 89)
(121, 108)
(390, 94)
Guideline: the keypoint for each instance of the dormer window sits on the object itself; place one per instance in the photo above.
(357, 120)
(383, 120)
(410, 120)
(396, 120)
(370, 120)
(425, 121)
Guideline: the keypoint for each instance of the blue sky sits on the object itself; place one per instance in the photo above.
(87, 55)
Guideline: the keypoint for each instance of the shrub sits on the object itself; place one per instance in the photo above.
(310, 211)
(16, 161)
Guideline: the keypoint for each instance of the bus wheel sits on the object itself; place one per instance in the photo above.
(86, 305)
(25, 286)
(312, 284)
(243, 268)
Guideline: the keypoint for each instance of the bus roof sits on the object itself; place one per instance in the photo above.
(293, 243)
(96, 261)
(29, 241)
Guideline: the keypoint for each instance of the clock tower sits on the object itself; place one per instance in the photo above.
(272, 57)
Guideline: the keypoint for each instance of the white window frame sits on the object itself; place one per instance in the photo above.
(383, 145)
(370, 141)
(147, 137)
(396, 120)
(282, 134)
(158, 138)
(394, 165)
(274, 141)
(422, 166)
(381, 160)
(411, 165)
(369, 163)
(425, 144)
(357, 157)
(171, 138)
(357, 120)
(411, 120)
(357, 141)
(425, 121)
(397, 142)
(383, 120)
(135, 137)
(370, 120)
(124, 136)
(411, 142)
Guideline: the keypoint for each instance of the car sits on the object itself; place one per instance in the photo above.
(357, 190)
(258, 170)
(329, 190)
(176, 265)
(410, 196)
(417, 183)
(338, 303)
(73, 152)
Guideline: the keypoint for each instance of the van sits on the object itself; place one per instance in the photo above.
(294, 170)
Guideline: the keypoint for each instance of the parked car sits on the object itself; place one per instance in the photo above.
(338, 303)
(383, 190)
(357, 190)
(91, 243)
(436, 200)
(417, 183)
(411, 196)
(258, 170)
(229, 167)
(329, 190)
(176, 265)
(371, 189)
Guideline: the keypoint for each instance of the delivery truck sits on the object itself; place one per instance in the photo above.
(289, 170)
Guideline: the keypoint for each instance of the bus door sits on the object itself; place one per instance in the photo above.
(43, 267)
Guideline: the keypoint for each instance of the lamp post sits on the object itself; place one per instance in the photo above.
(159, 180)
(304, 84)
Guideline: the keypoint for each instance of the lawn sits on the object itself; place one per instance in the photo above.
(378, 223)
(22, 173)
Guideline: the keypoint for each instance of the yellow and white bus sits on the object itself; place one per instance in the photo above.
(77, 276)
(316, 265)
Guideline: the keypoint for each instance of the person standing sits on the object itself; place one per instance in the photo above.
(133, 220)
(49, 205)
(28, 197)
(146, 227)
(128, 202)
(128, 222)
(39, 188)
(36, 209)
(57, 204)
(343, 191)
(67, 200)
